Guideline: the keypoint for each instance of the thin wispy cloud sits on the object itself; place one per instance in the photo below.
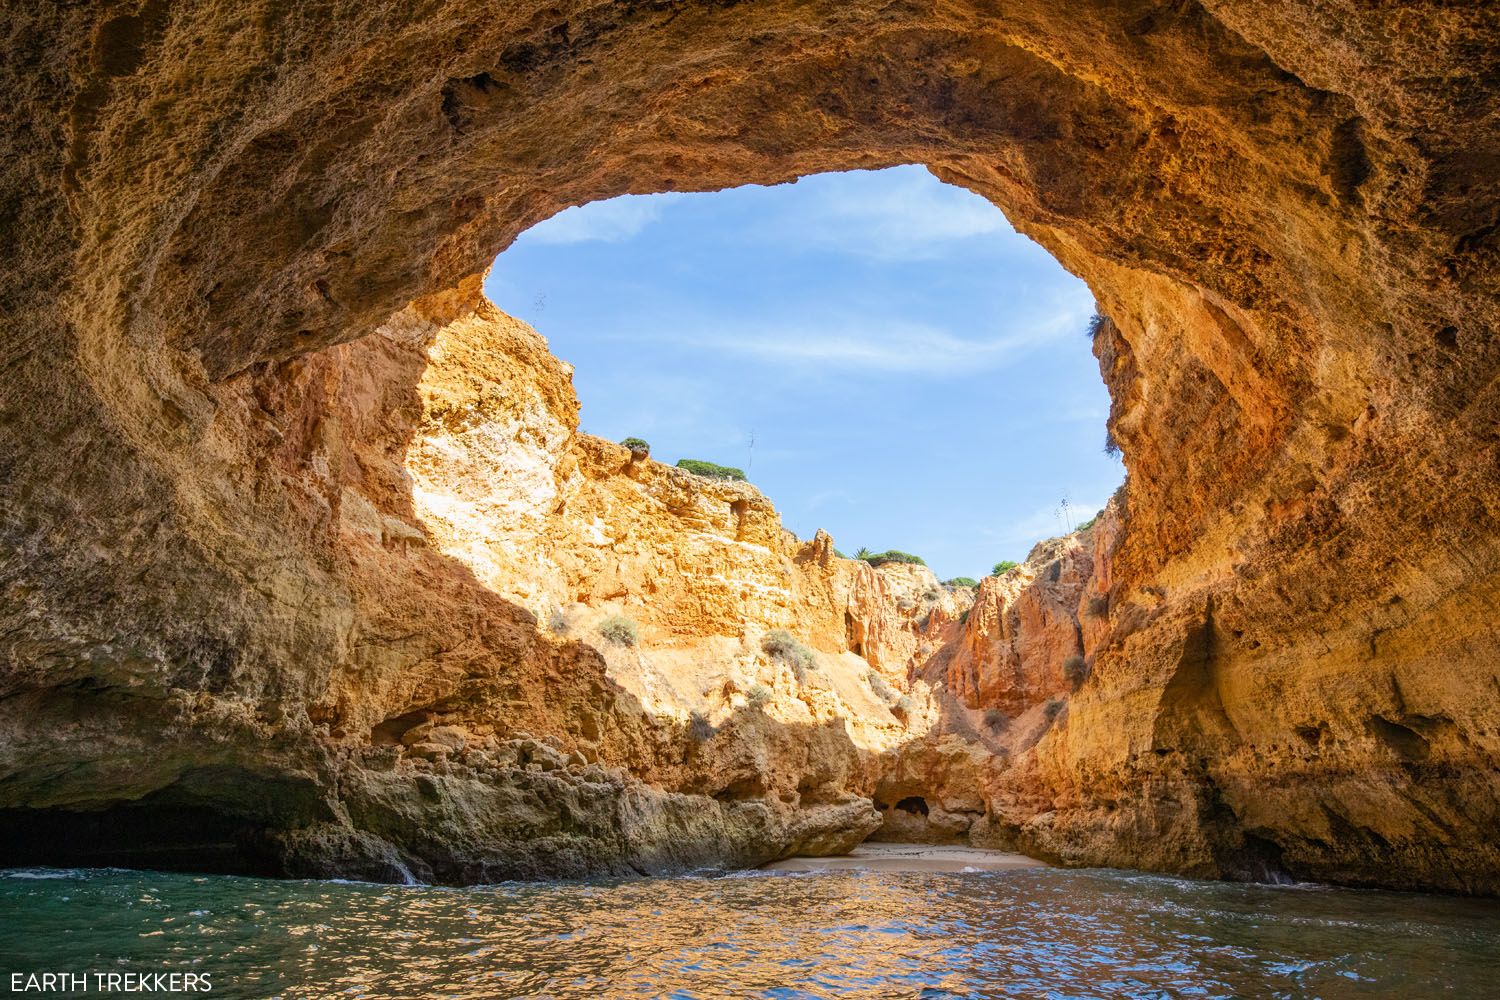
(895, 215)
(611, 221)
(871, 344)
(910, 349)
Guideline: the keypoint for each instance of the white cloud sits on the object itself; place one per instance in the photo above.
(876, 344)
(611, 221)
(899, 214)
(908, 348)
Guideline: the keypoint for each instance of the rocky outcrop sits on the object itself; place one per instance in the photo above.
(693, 741)
(1000, 677)
(887, 685)
(217, 583)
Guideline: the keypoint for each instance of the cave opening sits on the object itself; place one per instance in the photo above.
(798, 348)
(198, 281)
(1299, 248)
(914, 804)
(819, 336)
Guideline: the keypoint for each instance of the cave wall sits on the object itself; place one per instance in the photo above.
(1286, 208)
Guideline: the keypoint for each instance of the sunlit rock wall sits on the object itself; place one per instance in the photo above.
(213, 589)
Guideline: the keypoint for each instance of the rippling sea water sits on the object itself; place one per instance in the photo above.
(1028, 933)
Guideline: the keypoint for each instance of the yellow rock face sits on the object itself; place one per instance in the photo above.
(683, 584)
(582, 533)
(268, 508)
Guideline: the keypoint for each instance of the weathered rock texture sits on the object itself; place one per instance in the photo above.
(215, 580)
(886, 675)
(1000, 677)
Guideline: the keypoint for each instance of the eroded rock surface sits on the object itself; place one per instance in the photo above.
(219, 593)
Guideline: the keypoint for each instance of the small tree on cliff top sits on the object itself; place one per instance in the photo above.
(893, 556)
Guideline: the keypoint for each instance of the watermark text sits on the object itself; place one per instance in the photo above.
(111, 982)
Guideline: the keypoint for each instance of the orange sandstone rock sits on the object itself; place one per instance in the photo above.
(234, 233)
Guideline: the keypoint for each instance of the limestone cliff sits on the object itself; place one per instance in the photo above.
(226, 598)
(926, 692)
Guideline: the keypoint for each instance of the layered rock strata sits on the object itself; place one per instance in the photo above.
(216, 585)
(922, 692)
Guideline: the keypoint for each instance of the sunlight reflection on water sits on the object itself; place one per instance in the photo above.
(1028, 933)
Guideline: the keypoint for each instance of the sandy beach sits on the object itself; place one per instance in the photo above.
(910, 858)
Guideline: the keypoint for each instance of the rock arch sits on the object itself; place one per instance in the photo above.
(1287, 210)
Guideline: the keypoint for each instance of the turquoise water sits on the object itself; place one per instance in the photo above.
(1028, 933)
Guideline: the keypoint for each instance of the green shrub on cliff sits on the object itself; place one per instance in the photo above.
(710, 470)
(619, 630)
(892, 556)
(781, 645)
(759, 694)
(1004, 566)
(1075, 670)
(962, 581)
(638, 446)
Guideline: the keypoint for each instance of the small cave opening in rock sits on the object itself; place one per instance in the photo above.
(914, 804)
(210, 819)
(150, 834)
(390, 732)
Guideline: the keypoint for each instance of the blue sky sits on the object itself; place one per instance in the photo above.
(915, 373)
